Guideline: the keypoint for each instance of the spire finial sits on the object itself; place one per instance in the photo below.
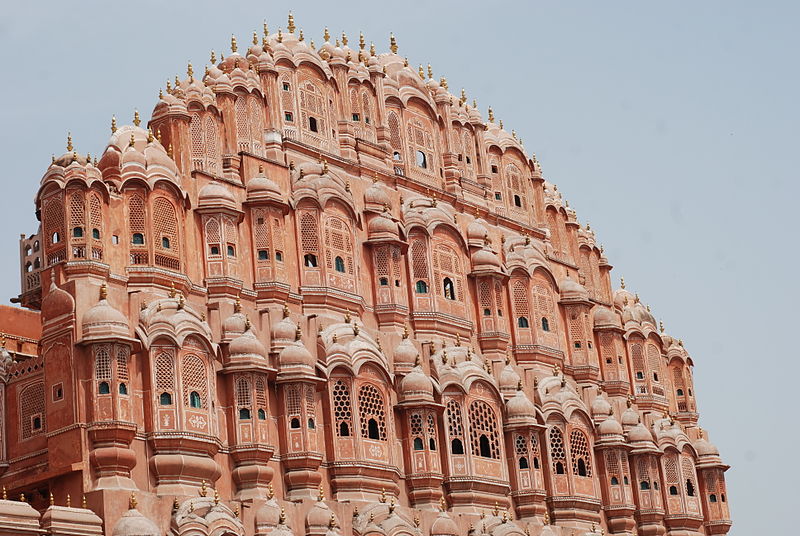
(203, 489)
(5, 494)
(430, 71)
(321, 494)
(383, 495)
(265, 28)
(190, 71)
(326, 35)
(213, 58)
(270, 491)
(344, 39)
(491, 115)
(103, 291)
(442, 504)
(150, 137)
(392, 43)
(290, 26)
(301, 37)
(69, 142)
(371, 48)
(421, 72)
(216, 496)
(83, 501)
(298, 332)
(132, 502)
(362, 44)
(234, 46)
(282, 516)
(622, 282)
(661, 326)
(132, 141)
(332, 521)
(136, 120)
(405, 331)
(69, 501)
(52, 499)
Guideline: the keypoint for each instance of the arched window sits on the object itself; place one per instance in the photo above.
(123, 389)
(523, 462)
(689, 488)
(673, 490)
(680, 392)
(456, 446)
(77, 232)
(342, 409)
(262, 415)
(339, 264)
(449, 289)
(645, 485)
(231, 251)
(55, 238)
(138, 239)
(517, 201)
(194, 400)
(311, 424)
(421, 287)
(103, 388)
(312, 124)
(344, 429)
(558, 454)
(165, 399)
(455, 427)
(559, 468)
(614, 481)
(96, 234)
(581, 467)
(373, 412)
(418, 444)
(195, 381)
(165, 242)
(294, 423)
(310, 260)
(244, 413)
(545, 324)
(422, 160)
(579, 450)
(522, 322)
(712, 498)
(483, 430)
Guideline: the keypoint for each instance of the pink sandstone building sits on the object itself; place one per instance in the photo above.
(318, 294)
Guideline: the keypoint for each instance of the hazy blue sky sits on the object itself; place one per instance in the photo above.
(669, 128)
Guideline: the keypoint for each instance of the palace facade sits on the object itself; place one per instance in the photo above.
(318, 294)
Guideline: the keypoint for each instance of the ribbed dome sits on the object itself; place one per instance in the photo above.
(269, 513)
(509, 379)
(405, 353)
(485, 259)
(235, 324)
(477, 232)
(600, 406)
(444, 526)
(133, 523)
(381, 225)
(319, 515)
(296, 355)
(57, 302)
(214, 195)
(103, 321)
(571, 289)
(262, 187)
(416, 386)
(630, 417)
(705, 448)
(284, 328)
(247, 345)
(610, 426)
(605, 317)
(639, 433)
(520, 409)
(376, 195)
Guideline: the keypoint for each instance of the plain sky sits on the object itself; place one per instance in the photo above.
(669, 126)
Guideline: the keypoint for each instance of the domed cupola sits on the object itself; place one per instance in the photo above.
(132, 154)
(216, 197)
(57, 302)
(234, 325)
(630, 417)
(247, 346)
(133, 523)
(605, 318)
(508, 380)
(405, 354)
(520, 410)
(103, 322)
(382, 229)
(320, 517)
(262, 189)
(610, 427)
(707, 453)
(485, 261)
(572, 291)
(443, 525)
(295, 360)
(477, 233)
(283, 330)
(155, 155)
(376, 198)
(641, 440)
(416, 387)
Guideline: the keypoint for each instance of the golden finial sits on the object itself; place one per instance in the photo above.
(347, 186)
(216, 496)
(463, 98)
(547, 518)
(255, 37)
(69, 139)
(361, 42)
(298, 332)
(169, 90)
(190, 71)
(150, 136)
(405, 62)
(324, 166)
(5, 494)
(132, 502)
(458, 339)
(291, 27)
(191, 507)
(443, 82)
(347, 317)
(496, 509)
(371, 48)
(22, 497)
(160, 93)
(505, 517)
(416, 521)
(136, 120)
(280, 36)
(203, 489)
(285, 310)
(270, 491)
(177, 82)
(491, 115)
(421, 72)
(430, 71)
(405, 331)
(501, 124)
(326, 35)
(391, 506)
(282, 516)
(265, 28)
(513, 133)
(83, 501)
(234, 46)
(383, 495)
(132, 141)
(52, 499)
(175, 504)
(622, 282)
(442, 504)
(355, 511)
(213, 57)
(392, 43)
(172, 291)
(474, 103)
(344, 39)
(356, 329)
(444, 356)
(301, 37)
(103, 291)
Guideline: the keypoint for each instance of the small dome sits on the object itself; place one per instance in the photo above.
(639, 433)
(705, 448)
(477, 231)
(57, 302)
(262, 187)
(103, 321)
(133, 523)
(319, 516)
(284, 329)
(296, 355)
(416, 386)
(377, 195)
(600, 407)
(247, 345)
(571, 289)
(610, 426)
(509, 379)
(630, 417)
(405, 354)
(605, 317)
(235, 324)
(155, 155)
(485, 259)
(381, 225)
(269, 514)
(520, 408)
(444, 526)
(214, 195)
